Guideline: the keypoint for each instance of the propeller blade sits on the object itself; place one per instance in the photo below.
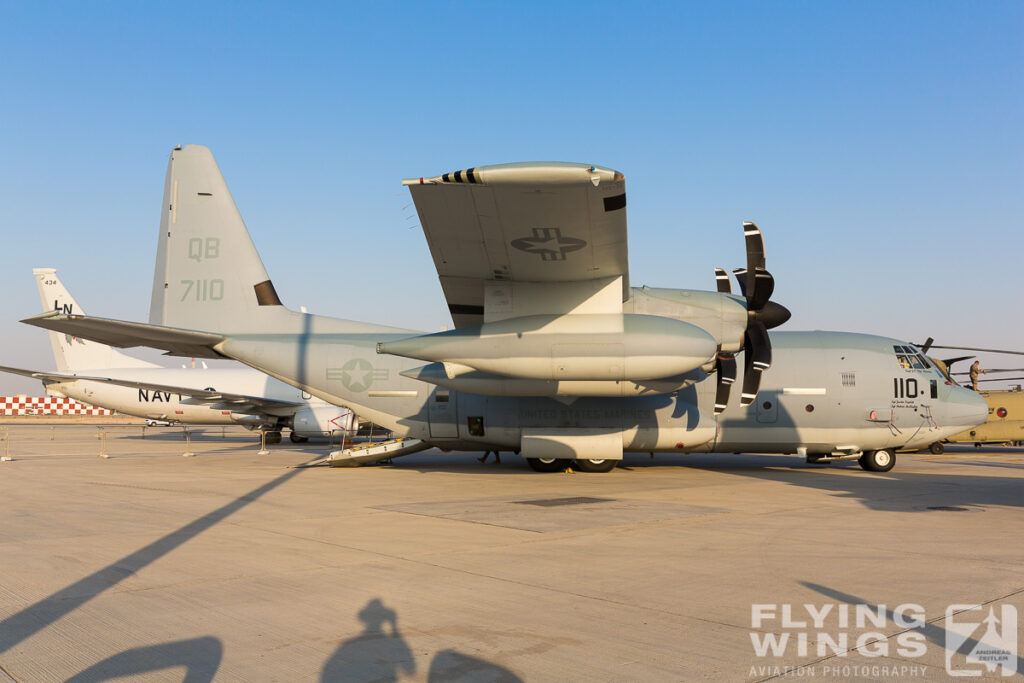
(722, 281)
(760, 349)
(757, 357)
(755, 245)
(755, 256)
(751, 385)
(764, 285)
(927, 345)
(741, 279)
(726, 369)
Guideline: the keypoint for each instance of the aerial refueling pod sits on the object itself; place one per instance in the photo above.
(596, 347)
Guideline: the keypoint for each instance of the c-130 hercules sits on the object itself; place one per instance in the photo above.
(553, 353)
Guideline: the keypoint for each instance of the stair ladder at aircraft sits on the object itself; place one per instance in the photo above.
(375, 452)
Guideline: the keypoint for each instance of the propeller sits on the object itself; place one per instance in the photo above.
(756, 286)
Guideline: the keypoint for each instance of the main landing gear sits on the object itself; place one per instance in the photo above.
(296, 438)
(559, 465)
(878, 461)
(273, 437)
(596, 465)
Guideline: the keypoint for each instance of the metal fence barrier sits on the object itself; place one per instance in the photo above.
(26, 440)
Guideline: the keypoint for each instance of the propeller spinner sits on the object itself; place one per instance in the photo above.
(756, 286)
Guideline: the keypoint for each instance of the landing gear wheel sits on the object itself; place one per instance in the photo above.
(547, 464)
(298, 439)
(937, 448)
(273, 437)
(878, 461)
(596, 465)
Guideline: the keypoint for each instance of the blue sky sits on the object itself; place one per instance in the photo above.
(879, 146)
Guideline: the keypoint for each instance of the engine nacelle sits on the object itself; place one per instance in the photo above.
(247, 420)
(723, 316)
(326, 420)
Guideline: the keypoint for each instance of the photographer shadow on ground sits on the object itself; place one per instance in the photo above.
(379, 654)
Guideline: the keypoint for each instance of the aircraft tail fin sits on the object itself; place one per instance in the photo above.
(208, 274)
(72, 353)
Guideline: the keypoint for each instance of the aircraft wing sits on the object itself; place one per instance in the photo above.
(536, 222)
(227, 399)
(122, 334)
(37, 374)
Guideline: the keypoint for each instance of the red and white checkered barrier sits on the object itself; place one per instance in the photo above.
(47, 405)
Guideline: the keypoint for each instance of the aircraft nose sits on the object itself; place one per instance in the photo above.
(966, 408)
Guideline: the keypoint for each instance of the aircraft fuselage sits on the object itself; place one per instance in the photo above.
(825, 392)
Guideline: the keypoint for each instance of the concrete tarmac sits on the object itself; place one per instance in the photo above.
(238, 567)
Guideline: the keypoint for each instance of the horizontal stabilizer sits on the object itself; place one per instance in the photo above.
(124, 334)
(38, 374)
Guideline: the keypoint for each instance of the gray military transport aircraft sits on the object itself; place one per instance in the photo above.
(554, 354)
(100, 375)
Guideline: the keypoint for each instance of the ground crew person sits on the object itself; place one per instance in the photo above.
(975, 371)
(497, 457)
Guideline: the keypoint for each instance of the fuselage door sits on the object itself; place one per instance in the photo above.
(442, 414)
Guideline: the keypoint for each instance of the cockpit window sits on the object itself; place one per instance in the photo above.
(910, 358)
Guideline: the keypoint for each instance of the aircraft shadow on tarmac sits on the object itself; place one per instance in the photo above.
(34, 618)
(199, 656)
(932, 632)
(374, 655)
(898, 491)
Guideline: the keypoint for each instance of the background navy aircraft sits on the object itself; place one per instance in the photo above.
(100, 375)
(554, 354)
